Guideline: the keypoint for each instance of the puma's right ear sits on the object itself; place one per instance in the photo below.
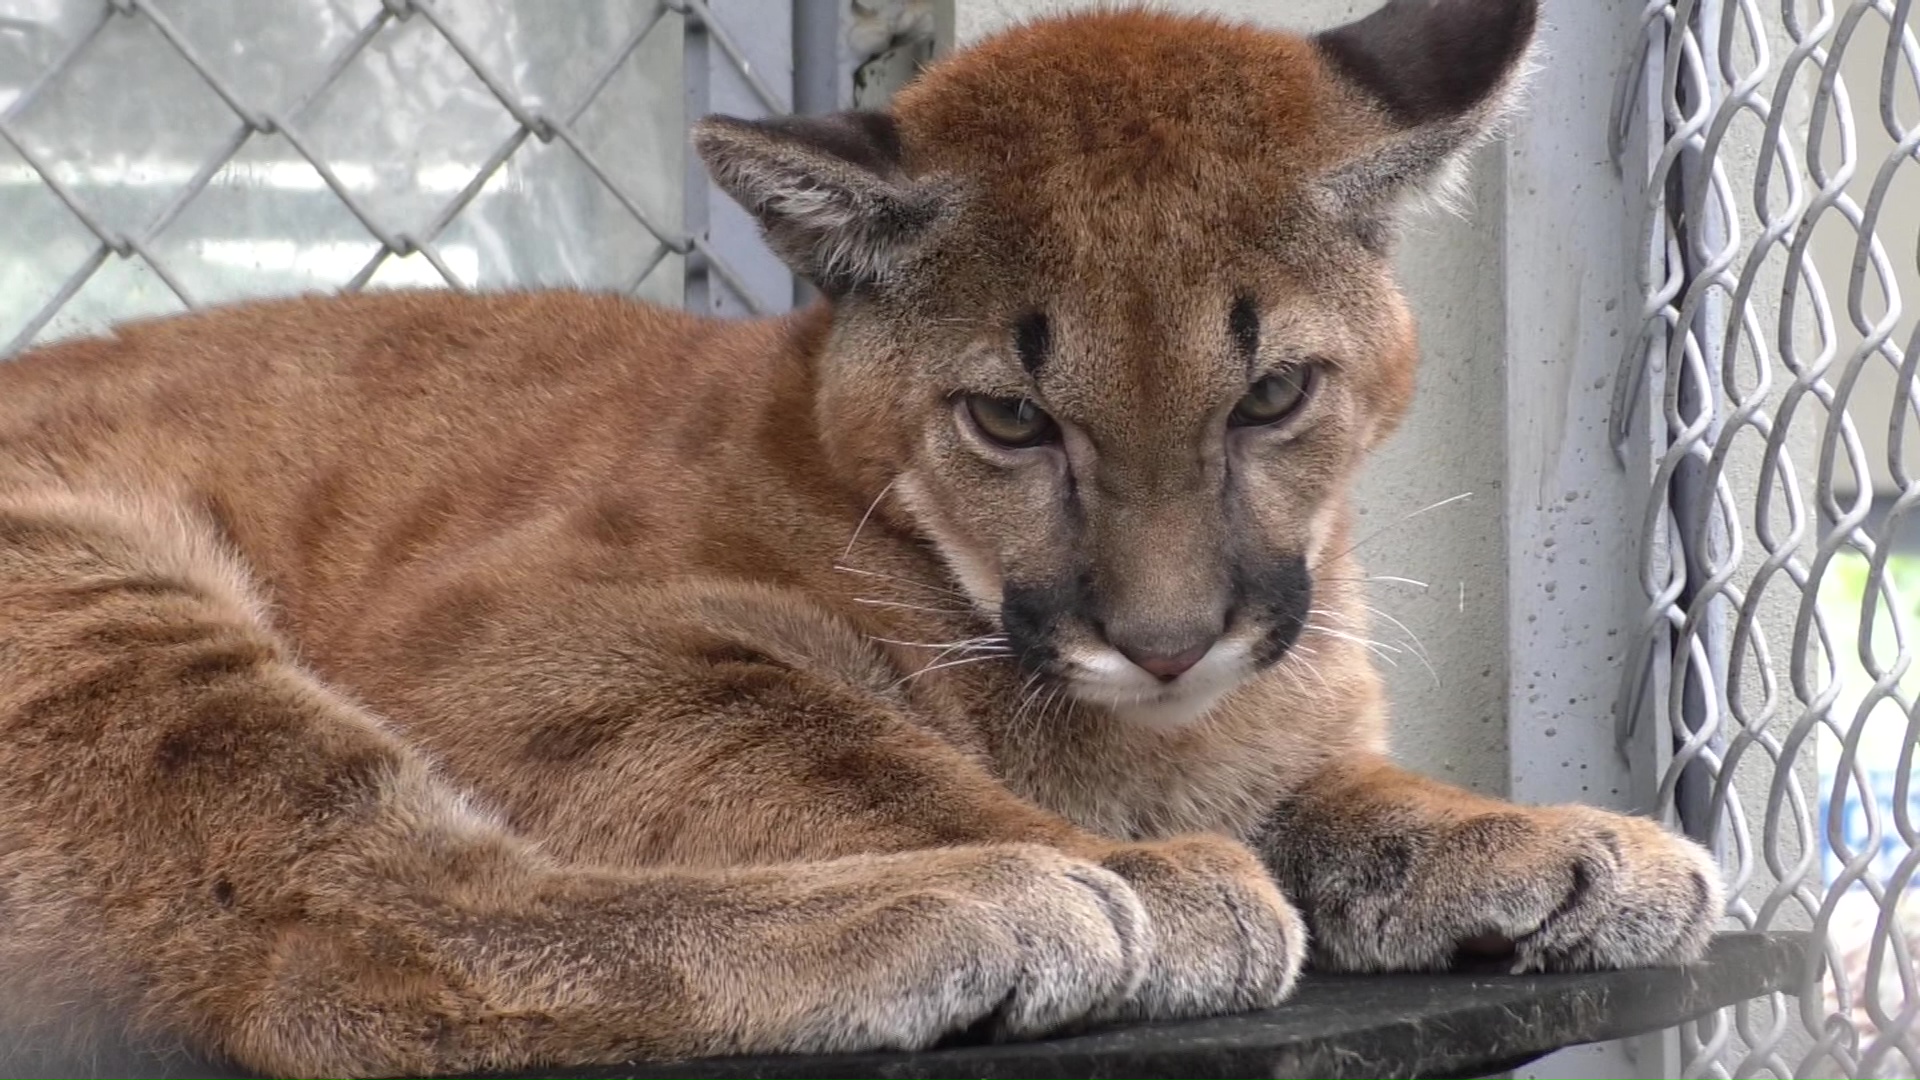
(1441, 72)
(828, 191)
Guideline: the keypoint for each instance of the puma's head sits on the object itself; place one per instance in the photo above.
(1114, 315)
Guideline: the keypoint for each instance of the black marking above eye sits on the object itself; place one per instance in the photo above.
(1243, 323)
(1032, 339)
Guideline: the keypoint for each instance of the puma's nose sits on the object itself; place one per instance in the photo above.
(1165, 666)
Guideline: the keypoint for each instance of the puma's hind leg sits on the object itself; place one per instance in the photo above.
(215, 849)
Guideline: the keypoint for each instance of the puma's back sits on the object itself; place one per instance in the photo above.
(348, 446)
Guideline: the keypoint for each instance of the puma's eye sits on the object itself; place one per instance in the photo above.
(1015, 423)
(1275, 397)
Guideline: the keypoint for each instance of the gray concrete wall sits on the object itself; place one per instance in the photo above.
(1450, 705)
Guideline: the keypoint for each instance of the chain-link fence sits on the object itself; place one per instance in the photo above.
(157, 156)
(1775, 380)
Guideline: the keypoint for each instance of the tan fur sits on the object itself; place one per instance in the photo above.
(420, 682)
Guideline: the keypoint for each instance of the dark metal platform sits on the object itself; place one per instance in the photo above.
(1452, 1025)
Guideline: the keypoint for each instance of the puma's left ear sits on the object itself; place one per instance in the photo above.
(828, 191)
(1440, 73)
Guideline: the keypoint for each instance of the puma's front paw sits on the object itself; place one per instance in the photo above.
(1636, 895)
(1225, 939)
(1541, 888)
(1018, 940)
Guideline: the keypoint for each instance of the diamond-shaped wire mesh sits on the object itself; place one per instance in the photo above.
(1775, 381)
(156, 156)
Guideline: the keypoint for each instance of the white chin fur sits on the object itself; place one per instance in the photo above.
(1171, 714)
(1133, 697)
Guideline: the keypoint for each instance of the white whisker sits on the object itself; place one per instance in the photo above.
(990, 641)
(871, 507)
(962, 662)
(986, 644)
(1380, 649)
(955, 593)
(1304, 653)
(1327, 613)
(1050, 710)
(1429, 508)
(1030, 692)
(1419, 647)
(869, 601)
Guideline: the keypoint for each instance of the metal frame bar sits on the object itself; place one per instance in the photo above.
(730, 271)
(801, 57)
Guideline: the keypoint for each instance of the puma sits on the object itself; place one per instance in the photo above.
(423, 683)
